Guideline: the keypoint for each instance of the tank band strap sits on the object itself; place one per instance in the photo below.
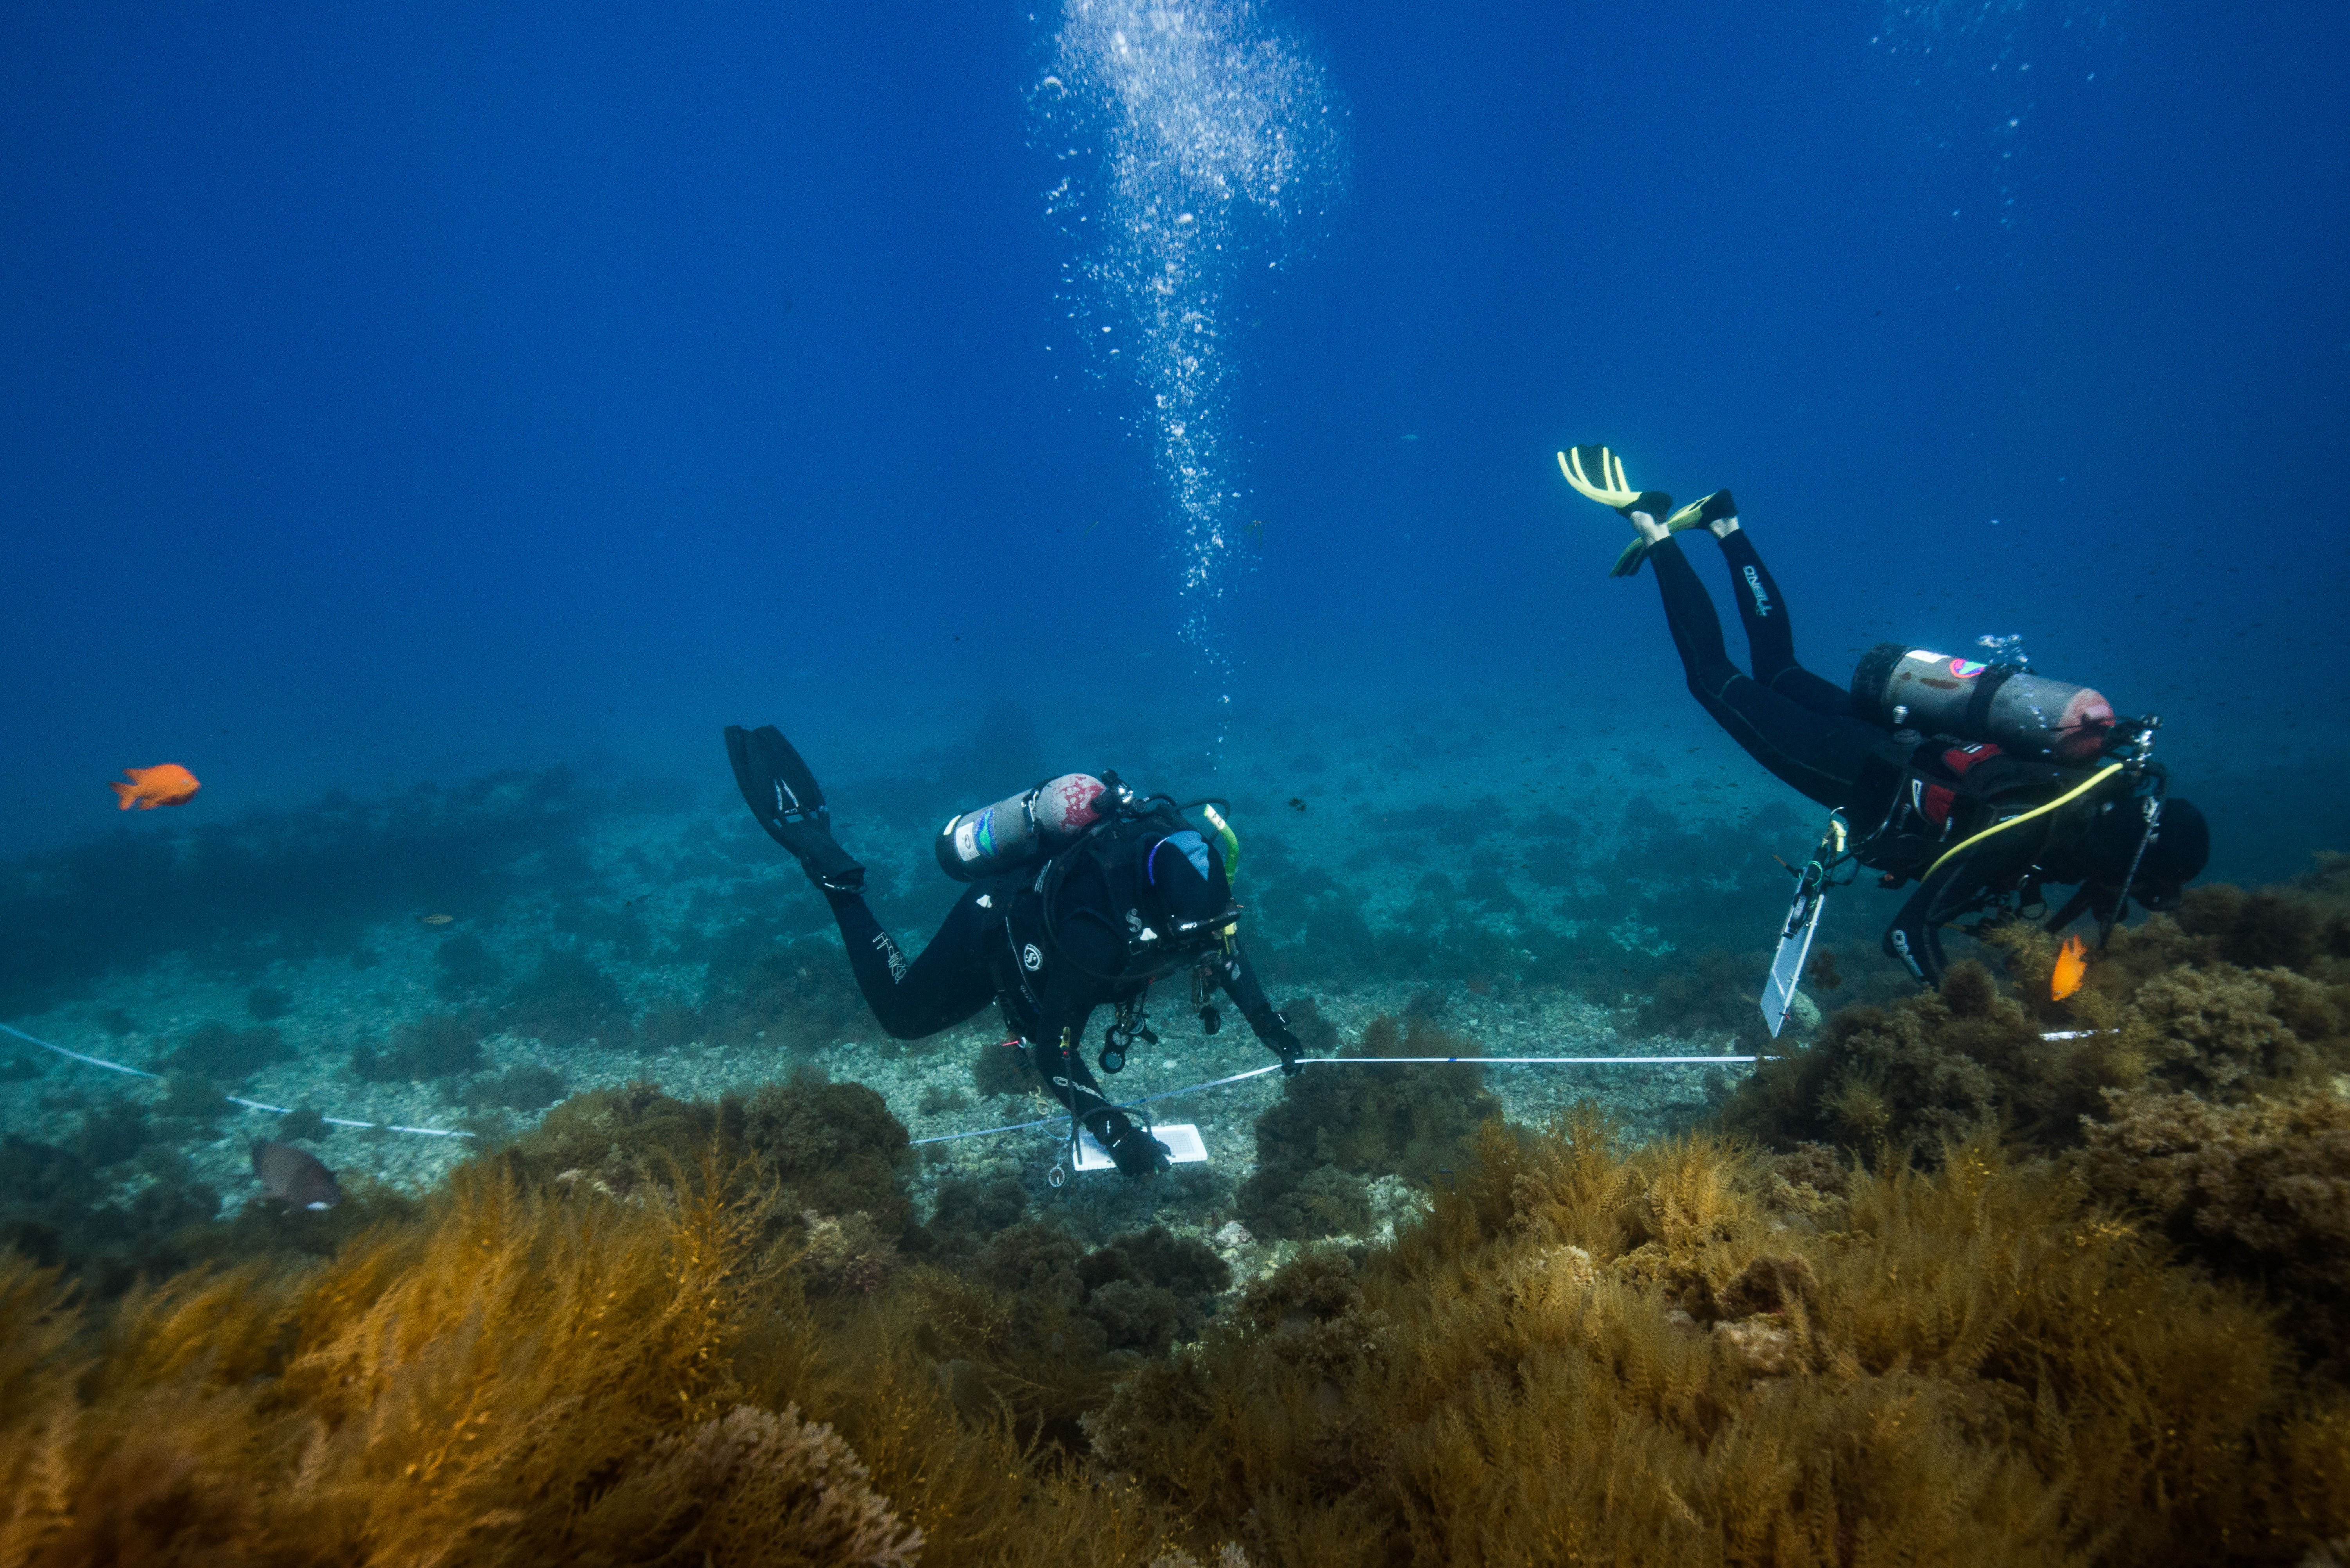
(1987, 687)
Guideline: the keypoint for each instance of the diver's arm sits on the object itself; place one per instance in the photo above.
(1914, 940)
(1238, 977)
(1069, 999)
(1960, 888)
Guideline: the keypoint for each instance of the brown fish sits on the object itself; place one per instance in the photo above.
(293, 1177)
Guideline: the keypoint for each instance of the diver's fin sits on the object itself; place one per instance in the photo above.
(1597, 473)
(1705, 512)
(1611, 488)
(1627, 565)
(774, 762)
(785, 796)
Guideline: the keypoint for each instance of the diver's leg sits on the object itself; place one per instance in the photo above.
(1829, 758)
(945, 985)
(1770, 637)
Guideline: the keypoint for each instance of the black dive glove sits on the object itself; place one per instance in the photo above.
(784, 795)
(1134, 1151)
(1275, 1031)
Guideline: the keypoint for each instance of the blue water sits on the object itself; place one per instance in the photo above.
(405, 396)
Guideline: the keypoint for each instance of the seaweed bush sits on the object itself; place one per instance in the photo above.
(1589, 1356)
(526, 1086)
(1332, 1129)
(437, 1045)
(623, 929)
(1712, 994)
(1929, 1067)
(113, 1204)
(669, 1025)
(2259, 1189)
(1036, 1326)
(215, 1051)
(617, 1140)
(793, 995)
(967, 1213)
(568, 1000)
(2190, 1088)
(1000, 1069)
(523, 1378)
(835, 1147)
(63, 1207)
(465, 967)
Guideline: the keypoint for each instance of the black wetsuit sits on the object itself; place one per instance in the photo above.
(1909, 798)
(993, 946)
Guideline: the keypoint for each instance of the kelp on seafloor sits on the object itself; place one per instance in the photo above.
(1938, 1318)
(531, 1375)
(1676, 1355)
(2197, 1079)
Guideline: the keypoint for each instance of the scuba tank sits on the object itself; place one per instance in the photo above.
(1018, 829)
(2026, 715)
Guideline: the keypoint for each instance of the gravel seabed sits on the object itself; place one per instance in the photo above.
(1353, 800)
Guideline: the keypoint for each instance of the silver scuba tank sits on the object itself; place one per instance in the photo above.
(2027, 715)
(1018, 829)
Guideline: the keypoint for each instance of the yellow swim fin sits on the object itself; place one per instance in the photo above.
(1704, 513)
(1610, 489)
(1597, 473)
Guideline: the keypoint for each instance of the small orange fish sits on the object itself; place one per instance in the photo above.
(2072, 963)
(170, 784)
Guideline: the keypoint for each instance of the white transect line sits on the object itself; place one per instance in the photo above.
(232, 1099)
(1352, 1061)
(1047, 1121)
(93, 1061)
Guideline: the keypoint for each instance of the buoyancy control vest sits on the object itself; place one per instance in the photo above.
(1103, 879)
(1950, 789)
(1109, 869)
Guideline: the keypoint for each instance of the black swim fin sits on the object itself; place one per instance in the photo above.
(786, 798)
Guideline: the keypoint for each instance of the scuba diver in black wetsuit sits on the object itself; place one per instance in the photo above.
(1081, 895)
(1982, 781)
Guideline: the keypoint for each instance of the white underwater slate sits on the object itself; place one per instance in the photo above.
(1182, 1139)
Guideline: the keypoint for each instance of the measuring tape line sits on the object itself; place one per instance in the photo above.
(1347, 1062)
(232, 1099)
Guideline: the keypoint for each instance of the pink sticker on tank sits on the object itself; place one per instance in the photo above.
(1967, 668)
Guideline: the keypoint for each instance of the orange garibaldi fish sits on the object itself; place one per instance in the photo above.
(2072, 963)
(170, 784)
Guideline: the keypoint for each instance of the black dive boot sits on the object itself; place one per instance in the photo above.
(783, 794)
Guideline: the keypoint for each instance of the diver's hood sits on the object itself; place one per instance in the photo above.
(1179, 904)
(1183, 882)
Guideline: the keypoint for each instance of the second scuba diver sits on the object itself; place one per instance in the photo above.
(1081, 895)
(1982, 782)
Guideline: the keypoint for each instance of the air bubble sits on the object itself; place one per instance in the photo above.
(1217, 137)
